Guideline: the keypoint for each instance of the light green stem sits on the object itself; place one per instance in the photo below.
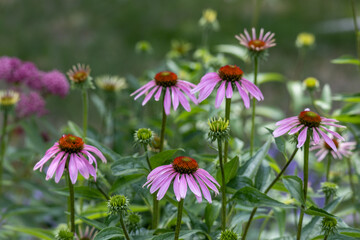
(178, 220)
(147, 157)
(356, 27)
(126, 234)
(328, 168)
(227, 117)
(71, 201)
(306, 178)
(353, 189)
(223, 188)
(3, 147)
(253, 110)
(85, 112)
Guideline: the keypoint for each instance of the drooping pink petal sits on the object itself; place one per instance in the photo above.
(283, 129)
(220, 95)
(151, 85)
(81, 165)
(189, 94)
(146, 86)
(157, 170)
(149, 95)
(177, 187)
(229, 91)
(183, 186)
(316, 137)
(96, 151)
(158, 94)
(198, 198)
(252, 89)
(205, 93)
(175, 98)
(206, 174)
(90, 168)
(204, 189)
(302, 137)
(158, 182)
(243, 95)
(328, 120)
(60, 168)
(92, 159)
(335, 134)
(193, 185)
(165, 187)
(328, 140)
(53, 166)
(73, 171)
(184, 102)
(322, 154)
(46, 158)
(295, 130)
(207, 182)
(286, 120)
(167, 101)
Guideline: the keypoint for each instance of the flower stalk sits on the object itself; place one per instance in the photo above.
(71, 201)
(328, 168)
(178, 220)
(3, 147)
(252, 137)
(85, 112)
(223, 188)
(227, 118)
(126, 234)
(352, 186)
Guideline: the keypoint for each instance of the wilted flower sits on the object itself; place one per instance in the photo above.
(30, 104)
(8, 99)
(329, 189)
(167, 81)
(311, 83)
(118, 204)
(218, 129)
(228, 234)
(182, 172)
(144, 136)
(228, 78)
(305, 40)
(343, 149)
(111, 83)
(308, 120)
(55, 83)
(69, 151)
(256, 44)
(328, 226)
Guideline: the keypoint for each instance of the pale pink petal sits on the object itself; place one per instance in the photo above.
(253, 33)
(316, 136)
(90, 156)
(302, 137)
(252, 89)
(328, 140)
(96, 151)
(165, 186)
(193, 185)
(282, 130)
(60, 168)
(295, 130)
(175, 98)
(243, 95)
(204, 189)
(207, 182)
(46, 158)
(247, 35)
(157, 170)
(183, 186)
(206, 174)
(229, 91)
(81, 166)
(73, 171)
(158, 182)
(146, 86)
(176, 185)
(220, 95)
(205, 93)
(189, 94)
(328, 120)
(286, 120)
(149, 95)
(158, 94)
(167, 101)
(198, 198)
(184, 102)
(335, 134)
(261, 34)
(53, 166)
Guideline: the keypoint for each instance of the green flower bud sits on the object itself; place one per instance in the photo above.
(328, 226)
(118, 204)
(64, 234)
(229, 235)
(329, 189)
(218, 129)
(311, 83)
(133, 220)
(144, 136)
(143, 47)
(209, 20)
(305, 40)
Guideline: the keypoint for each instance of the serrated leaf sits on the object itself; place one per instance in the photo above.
(295, 186)
(230, 170)
(159, 159)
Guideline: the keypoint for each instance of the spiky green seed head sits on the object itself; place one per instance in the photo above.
(118, 204)
(218, 129)
(144, 136)
(64, 234)
(328, 225)
(329, 189)
(229, 235)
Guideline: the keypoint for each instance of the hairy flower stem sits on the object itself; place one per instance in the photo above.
(71, 200)
(126, 234)
(178, 220)
(253, 109)
(352, 185)
(3, 147)
(246, 229)
(306, 176)
(227, 117)
(85, 112)
(163, 126)
(223, 188)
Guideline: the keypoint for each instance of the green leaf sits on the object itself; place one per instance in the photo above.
(349, 118)
(81, 192)
(250, 168)
(270, 77)
(36, 232)
(346, 59)
(212, 212)
(262, 177)
(183, 235)
(237, 183)
(230, 170)
(348, 231)
(93, 223)
(75, 129)
(109, 154)
(159, 159)
(251, 197)
(109, 233)
(124, 181)
(318, 212)
(234, 50)
(355, 98)
(186, 115)
(295, 186)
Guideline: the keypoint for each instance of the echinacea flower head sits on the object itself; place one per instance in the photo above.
(218, 129)
(118, 204)
(309, 122)
(111, 83)
(88, 234)
(183, 172)
(144, 136)
(329, 189)
(8, 99)
(344, 149)
(174, 90)
(227, 79)
(70, 152)
(328, 225)
(228, 234)
(305, 39)
(79, 76)
(256, 44)
(311, 83)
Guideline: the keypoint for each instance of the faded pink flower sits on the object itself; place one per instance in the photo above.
(343, 149)
(308, 120)
(228, 78)
(70, 152)
(255, 43)
(183, 172)
(175, 91)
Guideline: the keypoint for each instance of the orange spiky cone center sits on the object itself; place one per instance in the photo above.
(166, 79)
(256, 43)
(309, 119)
(185, 165)
(71, 144)
(230, 73)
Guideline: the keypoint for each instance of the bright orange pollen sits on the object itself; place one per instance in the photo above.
(328, 147)
(256, 43)
(71, 144)
(185, 165)
(310, 119)
(230, 73)
(166, 79)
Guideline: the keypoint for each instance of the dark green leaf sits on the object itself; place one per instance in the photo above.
(36, 232)
(109, 233)
(81, 192)
(212, 212)
(318, 212)
(295, 186)
(262, 177)
(159, 159)
(352, 232)
(237, 183)
(230, 170)
(349, 118)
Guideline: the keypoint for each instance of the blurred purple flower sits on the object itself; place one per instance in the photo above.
(7, 67)
(30, 104)
(55, 83)
(27, 73)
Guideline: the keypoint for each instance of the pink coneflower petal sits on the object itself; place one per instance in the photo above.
(287, 120)
(60, 168)
(252, 89)
(283, 129)
(81, 166)
(158, 182)
(229, 91)
(323, 119)
(333, 125)
(149, 86)
(96, 151)
(205, 93)
(316, 136)
(73, 171)
(247, 35)
(46, 158)
(202, 172)
(90, 168)
(53, 166)
(261, 34)
(302, 137)
(220, 95)
(184, 102)
(177, 187)
(204, 189)
(165, 186)
(149, 95)
(183, 186)
(189, 94)
(193, 185)
(167, 101)
(295, 130)
(328, 140)
(92, 159)
(322, 155)
(198, 198)
(243, 95)
(174, 97)
(207, 182)
(335, 134)
(146, 86)
(157, 170)
(158, 94)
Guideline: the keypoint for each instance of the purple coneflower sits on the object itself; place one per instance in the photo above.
(308, 120)
(72, 148)
(175, 91)
(343, 149)
(255, 43)
(228, 78)
(183, 172)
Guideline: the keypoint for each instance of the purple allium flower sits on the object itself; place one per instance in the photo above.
(308, 120)
(70, 152)
(56, 83)
(30, 104)
(7, 67)
(169, 82)
(27, 73)
(343, 149)
(184, 171)
(254, 43)
(228, 78)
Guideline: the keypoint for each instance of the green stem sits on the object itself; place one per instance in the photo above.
(256, 65)
(155, 219)
(85, 112)
(326, 237)
(356, 27)
(223, 188)
(227, 117)
(328, 168)
(262, 227)
(306, 178)
(147, 157)
(178, 220)
(246, 229)
(102, 191)
(3, 147)
(163, 126)
(71, 201)
(352, 186)
(124, 227)
(256, 13)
